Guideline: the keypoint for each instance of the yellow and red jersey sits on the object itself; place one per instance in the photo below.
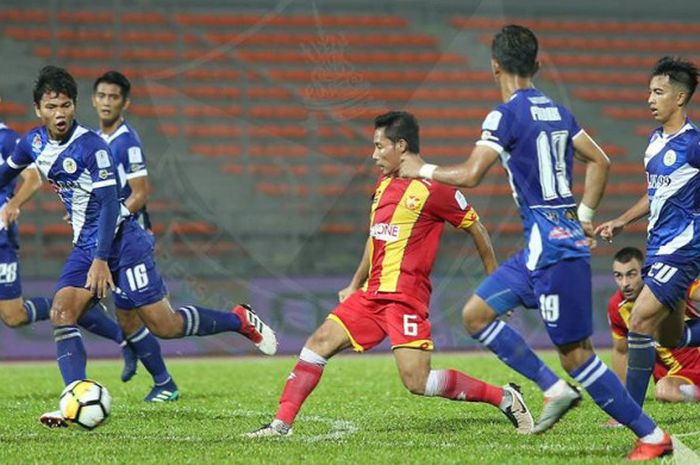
(668, 361)
(406, 220)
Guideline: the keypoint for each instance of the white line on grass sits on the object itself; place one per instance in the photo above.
(682, 454)
(340, 429)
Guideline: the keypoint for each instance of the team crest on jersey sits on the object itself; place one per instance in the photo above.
(69, 165)
(37, 144)
(103, 174)
(669, 158)
(412, 202)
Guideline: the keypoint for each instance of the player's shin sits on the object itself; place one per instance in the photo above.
(37, 309)
(606, 390)
(147, 349)
(70, 353)
(452, 384)
(300, 384)
(640, 364)
(512, 350)
(96, 320)
(200, 321)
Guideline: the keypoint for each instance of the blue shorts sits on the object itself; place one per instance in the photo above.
(10, 282)
(561, 291)
(132, 265)
(668, 277)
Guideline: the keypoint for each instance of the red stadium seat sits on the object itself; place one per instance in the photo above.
(8, 108)
(229, 20)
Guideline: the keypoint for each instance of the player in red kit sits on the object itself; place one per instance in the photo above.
(676, 371)
(390, 291)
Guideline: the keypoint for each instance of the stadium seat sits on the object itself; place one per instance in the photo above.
(9, 108)
(232, 20)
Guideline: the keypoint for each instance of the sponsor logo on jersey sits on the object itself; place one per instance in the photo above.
(492, 121)
(461, 200)
(69, 165)
(62, 186)
(103, 174)
(559, 233)
(658, 180)
(385, 232)
(670, 158)
(102, 158)
(37, 144)
(136, 167)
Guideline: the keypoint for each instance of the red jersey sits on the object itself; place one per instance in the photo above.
(406, 220)
(668, 361)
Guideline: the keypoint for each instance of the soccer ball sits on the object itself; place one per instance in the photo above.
(86, 403)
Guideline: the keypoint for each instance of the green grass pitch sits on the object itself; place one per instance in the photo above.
(359, 414)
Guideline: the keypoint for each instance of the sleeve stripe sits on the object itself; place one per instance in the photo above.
(137, 174)
(14, 165)
(490, 144)
(105, 183)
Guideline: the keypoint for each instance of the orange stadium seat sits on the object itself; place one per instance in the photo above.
(597, 77)
(581, 26)
(297, 39)
(611, 95)
(193, 228)
(148, 18)
(376, 57)
(338, 228)
(10, 15)
(640, 112)
(85, 17)
(27, 229)
(9, 108)
(57, 229)
(228, 20)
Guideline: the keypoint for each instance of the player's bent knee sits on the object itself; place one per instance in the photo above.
(14, 319)
(63, 314)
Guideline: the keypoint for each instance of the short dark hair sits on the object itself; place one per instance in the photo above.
(53, 79)
(678, 71)
(400, 125)
(515, 47)
(116, 78)
(628, 253)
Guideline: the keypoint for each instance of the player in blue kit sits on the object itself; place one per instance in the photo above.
(110, 98)
(672, 201)
(537, 140)
(111, 250)
(14, 310)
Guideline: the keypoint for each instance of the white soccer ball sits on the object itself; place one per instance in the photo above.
(86, 403)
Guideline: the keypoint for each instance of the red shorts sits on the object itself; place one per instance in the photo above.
(368, 321)
(690, 374)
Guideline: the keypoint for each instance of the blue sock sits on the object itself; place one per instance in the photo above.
(641, 356)
(147, 348)
(98, 322)
(70, 353)
(510, 347)
(200, 321)
(607, 391)
(691, 333)
(38, 309)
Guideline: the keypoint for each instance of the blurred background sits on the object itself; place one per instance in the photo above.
(256, 120)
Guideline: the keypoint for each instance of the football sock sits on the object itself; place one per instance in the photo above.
(300, 383)
(70, 353)
(691, 333)
(200, 321)
(641, 357)
(510, 347)
(147, 349)
(607, 391)
(98, 322)
(38, 309)
(452, 384)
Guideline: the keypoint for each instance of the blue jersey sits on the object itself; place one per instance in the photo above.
(125, 145)
(75, 168)
(8, 141)
(533, 136)
(672, 164)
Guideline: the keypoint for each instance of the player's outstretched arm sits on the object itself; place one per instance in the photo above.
(466, 174)
(361, 273)
(482, 242)
(31, 182)
(612, 228)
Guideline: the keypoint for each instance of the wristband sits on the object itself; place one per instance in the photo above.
(426, 171)
(585, 213)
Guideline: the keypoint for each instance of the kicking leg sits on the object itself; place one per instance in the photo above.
(418, 378)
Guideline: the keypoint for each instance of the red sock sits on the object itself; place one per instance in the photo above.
(456, 385)
(301, 382)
